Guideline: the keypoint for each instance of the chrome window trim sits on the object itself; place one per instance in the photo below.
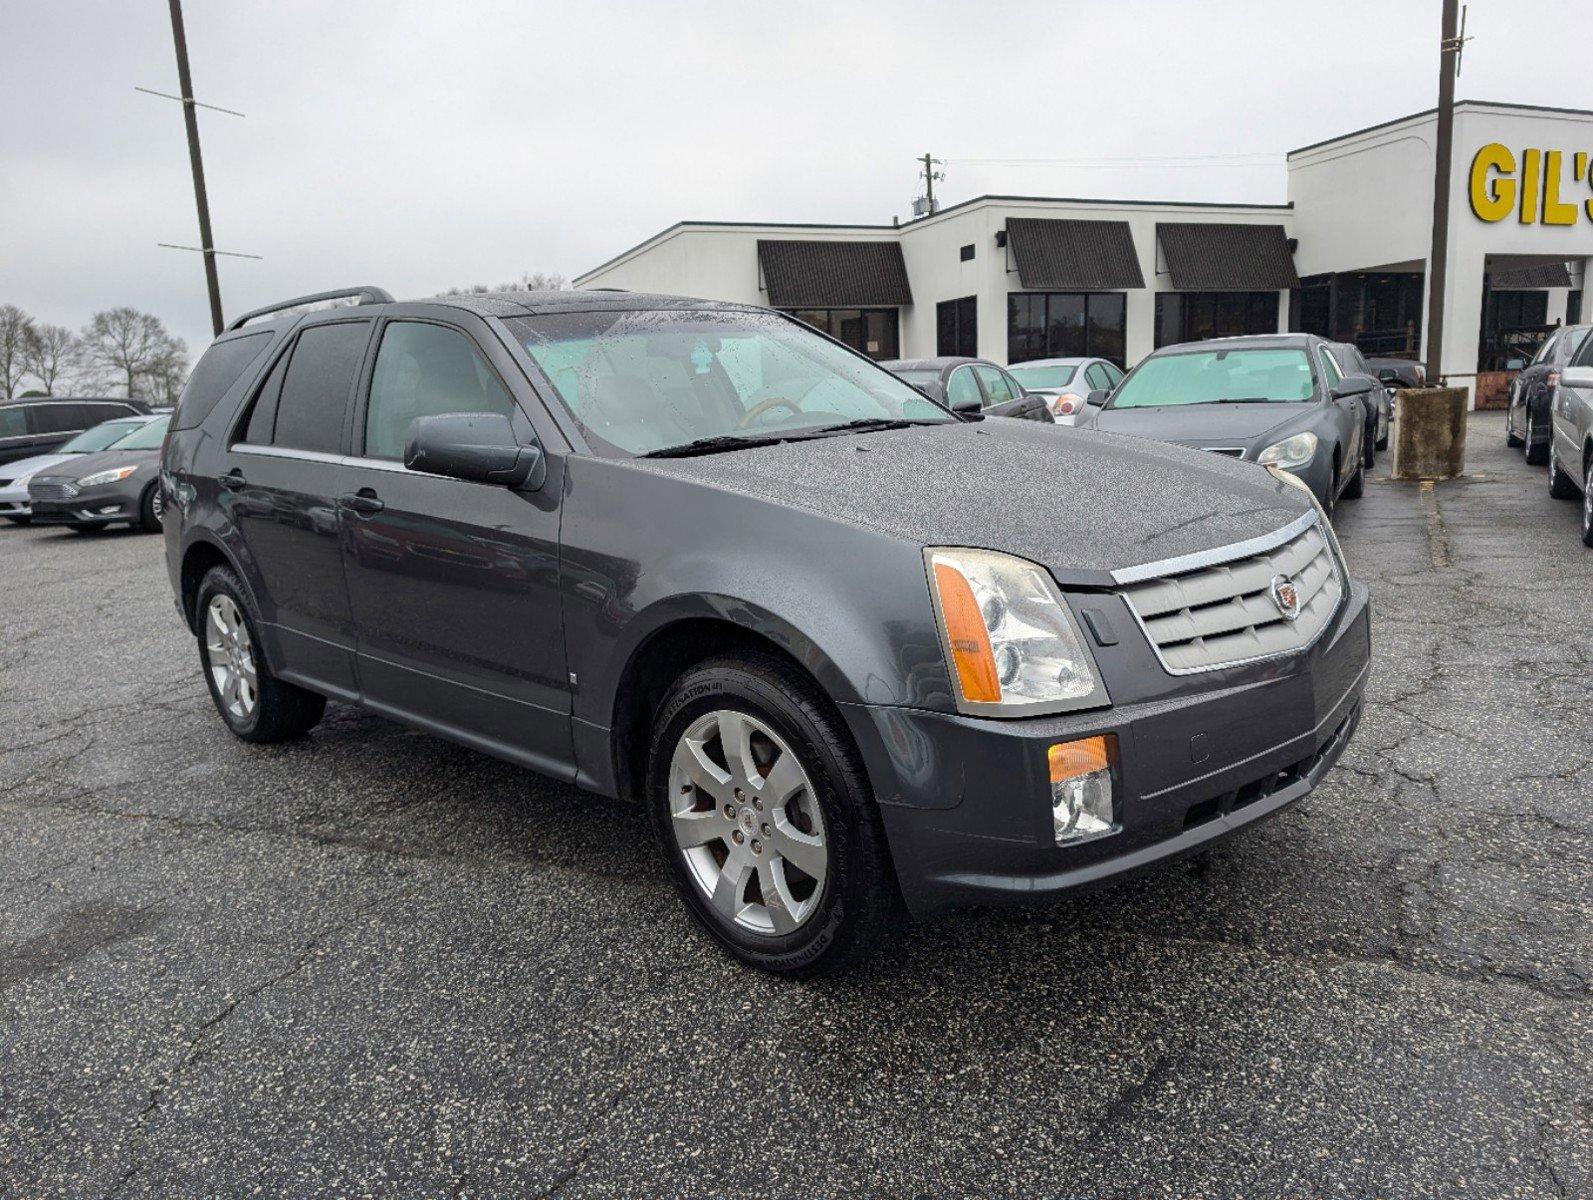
(1221, 554)
(288, 452)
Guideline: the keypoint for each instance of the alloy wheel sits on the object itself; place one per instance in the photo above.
(747, 820)
(1587, 505)
(229, 651)
(157, 504)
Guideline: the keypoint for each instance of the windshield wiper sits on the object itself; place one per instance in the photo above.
(1242, 400)
(714, 445)
(863, 424)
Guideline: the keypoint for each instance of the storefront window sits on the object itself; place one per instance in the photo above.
(1065, 325)
(871, 331)
(1380, 312)
(1196, 316)
(957, 327)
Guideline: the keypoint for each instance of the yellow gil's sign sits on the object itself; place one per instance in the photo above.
(1531, 189)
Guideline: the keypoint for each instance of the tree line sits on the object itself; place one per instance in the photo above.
(120, 352)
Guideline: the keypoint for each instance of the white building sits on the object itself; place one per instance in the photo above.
(1012, 277)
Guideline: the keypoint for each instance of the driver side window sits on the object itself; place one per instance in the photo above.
(424, 371)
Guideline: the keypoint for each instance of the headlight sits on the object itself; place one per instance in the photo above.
(114, 475)
(1011, 644)
(1294, 451)
(21, 481)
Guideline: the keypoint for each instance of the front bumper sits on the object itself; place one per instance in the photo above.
(85, 510)
(14, 502)
(966, 801)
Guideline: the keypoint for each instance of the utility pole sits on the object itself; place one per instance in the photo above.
(925, 206)
(1437, 260)
(207, 245)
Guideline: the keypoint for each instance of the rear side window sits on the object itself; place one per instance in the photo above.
(263, 416)
(216, 372)
(13, 423)
(316, 388)
(59, 418)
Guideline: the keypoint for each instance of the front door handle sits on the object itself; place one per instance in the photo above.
(364, 502)
(232, 480)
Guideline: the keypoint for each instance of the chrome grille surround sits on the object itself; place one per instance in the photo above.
(1207, 611)
(51, 491)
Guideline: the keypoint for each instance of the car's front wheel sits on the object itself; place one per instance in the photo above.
(766, 819)
(1537, 448)
(1561, 486)
(255, 704)
(151, 508)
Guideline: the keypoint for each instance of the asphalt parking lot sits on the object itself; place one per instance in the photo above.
(372, 962)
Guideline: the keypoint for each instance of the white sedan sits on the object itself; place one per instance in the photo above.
(1067, 382)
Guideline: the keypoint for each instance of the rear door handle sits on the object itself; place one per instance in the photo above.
(364, 502)
(232, 480)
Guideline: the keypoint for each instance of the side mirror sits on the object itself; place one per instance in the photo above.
(480, 447)
(1098, 397)
(1388, 375)
(1355, 385)
(1577, 377)
(968, 404)
(1515, 364)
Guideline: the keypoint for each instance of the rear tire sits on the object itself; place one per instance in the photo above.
(1356, 487)
(726, 854)
(1537, 453)
(254, 703)
(1369, 446)
(1560, 485)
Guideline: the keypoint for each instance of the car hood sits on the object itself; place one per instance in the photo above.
(1081, 503)
(74, 466)
(1202, 424)
(27, 466)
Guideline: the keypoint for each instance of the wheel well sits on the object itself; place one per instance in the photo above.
(200, 558)
(661, 660)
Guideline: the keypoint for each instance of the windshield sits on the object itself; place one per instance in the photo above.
(638, 382)
(147, 438)
(1280, 376)
(1043, 377)
(98, 438)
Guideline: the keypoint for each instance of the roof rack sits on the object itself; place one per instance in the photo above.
(366, 294)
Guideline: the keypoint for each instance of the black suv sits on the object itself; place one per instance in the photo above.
(38, 424)
(857, 654)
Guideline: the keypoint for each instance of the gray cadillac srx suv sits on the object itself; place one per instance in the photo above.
(860, 657)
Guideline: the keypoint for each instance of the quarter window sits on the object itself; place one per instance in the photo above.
(316, 387)
(216, 371)
(425, 371)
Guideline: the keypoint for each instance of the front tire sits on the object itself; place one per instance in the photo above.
(150, 509)
(255, 704)
(766, 819)
(1356, 487)
(1537, 450)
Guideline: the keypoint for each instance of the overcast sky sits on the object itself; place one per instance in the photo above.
(418, 144)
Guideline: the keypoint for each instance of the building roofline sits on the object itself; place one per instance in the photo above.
(1428, 112)
(914, 224)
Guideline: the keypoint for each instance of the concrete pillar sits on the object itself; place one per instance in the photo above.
(1139, 319)
(1555, 314)
(1462, 318)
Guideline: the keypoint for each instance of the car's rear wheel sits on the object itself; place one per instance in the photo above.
(255, 704)
(766, 819)
(151, 508)
(1560, 485)
(1537, 447)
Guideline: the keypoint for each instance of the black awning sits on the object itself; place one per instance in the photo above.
(834, 274)
(1531, 275)
(1214, 256)
(1085, 256)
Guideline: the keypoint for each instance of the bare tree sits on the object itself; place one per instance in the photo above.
(162, 381)
(50, 354)
(15, 328)
(531, 281)
(122, 346)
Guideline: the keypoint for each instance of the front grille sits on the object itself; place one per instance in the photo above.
(1218, 616)
(51, 491)
(1272, 782)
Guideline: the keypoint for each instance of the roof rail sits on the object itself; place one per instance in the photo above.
(366, 294)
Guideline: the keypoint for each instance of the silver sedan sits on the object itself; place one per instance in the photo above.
(1066, 383)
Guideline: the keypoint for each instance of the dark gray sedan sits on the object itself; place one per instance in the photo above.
(1279, 400)
(116, 485)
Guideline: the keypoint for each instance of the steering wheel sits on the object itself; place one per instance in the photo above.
(763, 406)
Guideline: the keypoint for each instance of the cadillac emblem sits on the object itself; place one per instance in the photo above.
(1286, 596)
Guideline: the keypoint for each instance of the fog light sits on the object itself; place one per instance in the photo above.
(1081, 790)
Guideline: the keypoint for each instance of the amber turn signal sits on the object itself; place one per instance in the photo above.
(965, 632)
(1069, 760)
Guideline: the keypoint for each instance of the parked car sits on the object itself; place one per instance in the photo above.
(1276, 399)
(14, 476)
(115, 485)
(34, 425)
(1571, 435)
(1396, 373)
(857, 654)
(1066, 383)
(1379, 399)
(1528, 421)
(970, 385)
